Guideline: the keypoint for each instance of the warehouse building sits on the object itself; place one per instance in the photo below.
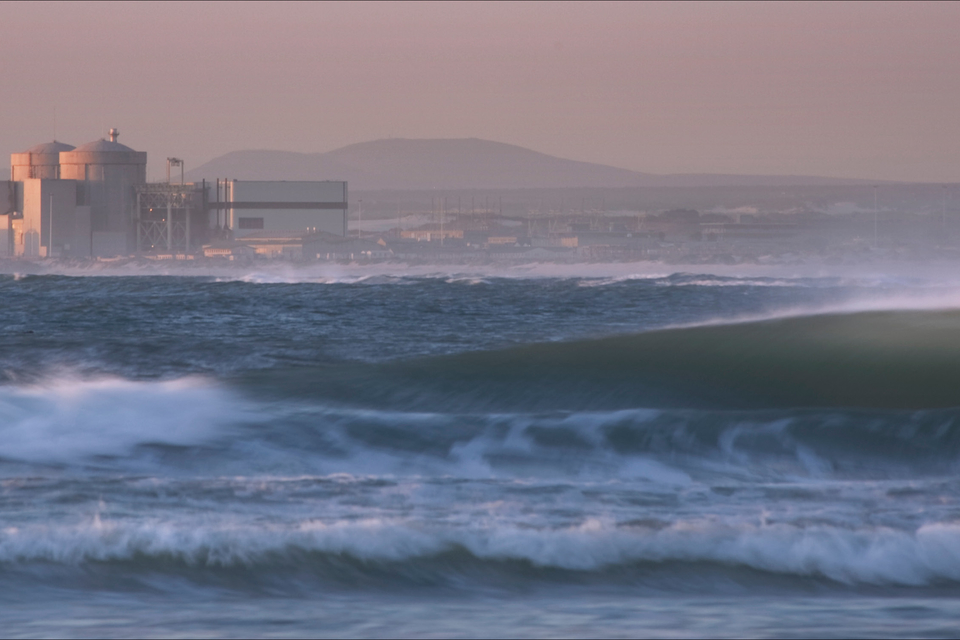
(257, 206)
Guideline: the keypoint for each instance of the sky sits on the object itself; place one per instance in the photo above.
(836, 89)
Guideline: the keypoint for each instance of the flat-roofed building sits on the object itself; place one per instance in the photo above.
(253, 206)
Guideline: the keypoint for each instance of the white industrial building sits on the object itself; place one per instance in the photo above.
(94, 201)
(254, 206)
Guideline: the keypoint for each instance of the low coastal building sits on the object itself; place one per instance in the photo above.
(297, 247)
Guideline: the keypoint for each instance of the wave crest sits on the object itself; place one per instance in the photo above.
(925, 556)
(65, 419)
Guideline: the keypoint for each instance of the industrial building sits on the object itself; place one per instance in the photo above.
(285, 206)
(94, 201)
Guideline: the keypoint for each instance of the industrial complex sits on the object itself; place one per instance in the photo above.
(94, 201)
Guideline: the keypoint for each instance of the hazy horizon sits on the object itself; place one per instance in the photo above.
(836, 90)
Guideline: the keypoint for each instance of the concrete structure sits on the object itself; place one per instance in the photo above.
(94, 201)
(296, 247)
(275, 206)
(8, 211)
(431, 233)
(107, 173)
(53, 224)
(6, 235)
(229, 250)
(76, 202)
(40, 162)
(288, 246)
(181, 217)
(325, 246)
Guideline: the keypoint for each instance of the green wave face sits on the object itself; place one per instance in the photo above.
(895, 360)
(889, 360)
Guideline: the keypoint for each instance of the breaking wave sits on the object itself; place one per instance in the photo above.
(877, 555)
(67, 419)
(200, 426)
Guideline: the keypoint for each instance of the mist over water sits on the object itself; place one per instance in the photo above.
(480, 451)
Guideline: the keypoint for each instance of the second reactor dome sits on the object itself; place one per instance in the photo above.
(40, 161)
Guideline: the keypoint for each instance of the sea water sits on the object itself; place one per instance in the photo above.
(479, 453)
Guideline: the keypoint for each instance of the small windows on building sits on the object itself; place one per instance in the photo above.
(250, 223)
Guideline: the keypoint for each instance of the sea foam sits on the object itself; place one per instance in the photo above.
(873, 555)
(66, 419)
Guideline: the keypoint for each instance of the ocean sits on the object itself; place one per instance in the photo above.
(480, 452)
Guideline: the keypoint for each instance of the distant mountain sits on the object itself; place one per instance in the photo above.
(459, 164)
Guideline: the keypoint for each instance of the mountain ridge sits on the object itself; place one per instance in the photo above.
(462, 163)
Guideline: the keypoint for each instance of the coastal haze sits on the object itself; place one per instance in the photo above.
(480, 320)
(841, 90)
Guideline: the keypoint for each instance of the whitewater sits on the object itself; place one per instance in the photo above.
(543, 450)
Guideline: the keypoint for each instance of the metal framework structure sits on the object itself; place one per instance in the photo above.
(164, 216)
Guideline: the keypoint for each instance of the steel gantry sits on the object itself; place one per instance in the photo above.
(164, 216)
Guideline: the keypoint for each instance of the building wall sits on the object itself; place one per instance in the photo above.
(82, 234)
(109, 244)
(6, 235)
(43, 225)
(8, 197)
(245, 220)
(109, 188)
(26, 166)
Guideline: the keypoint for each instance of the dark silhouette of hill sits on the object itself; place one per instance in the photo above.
(459, 164)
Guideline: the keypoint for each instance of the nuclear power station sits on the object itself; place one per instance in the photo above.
(94, 201)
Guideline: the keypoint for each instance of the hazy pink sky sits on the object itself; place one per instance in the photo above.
(834, 89)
